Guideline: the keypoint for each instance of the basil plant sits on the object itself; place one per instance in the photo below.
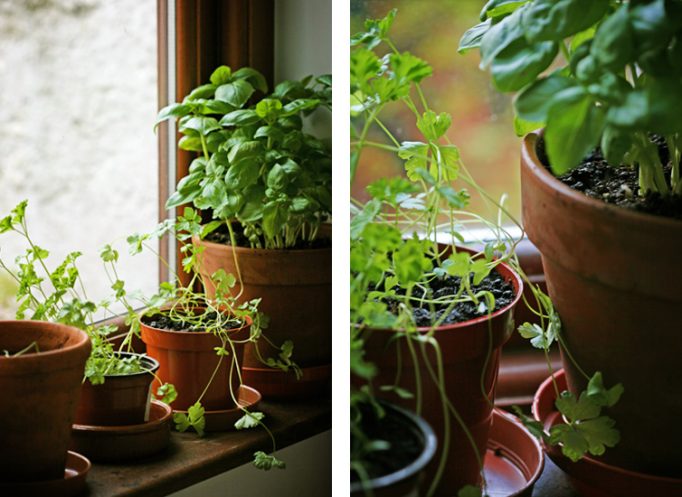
(593, 72)
(256, 165)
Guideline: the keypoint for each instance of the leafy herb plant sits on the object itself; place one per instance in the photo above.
(615, 78)
(614, 81)
(256, 165)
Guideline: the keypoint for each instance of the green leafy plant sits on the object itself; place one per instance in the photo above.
(615, 78)
(614, 81)
(256, 165)
(58, 295)
(392, 276)
(219, 315)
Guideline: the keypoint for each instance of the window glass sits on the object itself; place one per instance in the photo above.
(79, 100)
(482, 118)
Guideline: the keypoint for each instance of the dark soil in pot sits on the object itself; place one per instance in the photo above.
(618, 185)
(164, 322)
(448, 286)
(222, 235)
(405, 445)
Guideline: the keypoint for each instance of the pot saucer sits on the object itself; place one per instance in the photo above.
(73, 483)
(125, 443)
(224, 420)
(514, 459)
(276, 384)
(590, 476)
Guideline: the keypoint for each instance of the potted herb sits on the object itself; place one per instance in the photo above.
(116, 386)
(199, 342)
(265, 185)
(602, 199)
(428, 317)
(41, 368)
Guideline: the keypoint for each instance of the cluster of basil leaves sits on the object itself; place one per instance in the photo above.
(256, 164)
(620, 80)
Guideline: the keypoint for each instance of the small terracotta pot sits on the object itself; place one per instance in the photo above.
(614, 278)
(187, 359)
(295, 288)
(120, 400)
(464, 348)
(39, 393)
(404, 482)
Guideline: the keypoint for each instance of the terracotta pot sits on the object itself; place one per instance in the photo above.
(404, 482)
(39, 393)
(614, 277)
(120, 400)
(464, 349)
(188, 361)
(295, 288)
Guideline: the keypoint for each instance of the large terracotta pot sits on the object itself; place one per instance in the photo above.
(188, 361)
(120, 400)
(464, 348)
(614, 277)
(404, 482)
(295, 288)
(39, 393)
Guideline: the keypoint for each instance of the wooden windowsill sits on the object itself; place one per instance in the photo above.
(190, 459)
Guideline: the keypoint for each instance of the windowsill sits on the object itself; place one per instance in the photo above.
(190, 459)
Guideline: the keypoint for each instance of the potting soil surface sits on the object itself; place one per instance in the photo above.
(619, 185)
(163, 322)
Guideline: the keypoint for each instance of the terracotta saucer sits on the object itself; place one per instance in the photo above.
(73, 483)
(125, 443)
(276, 384)
(514, 459)
(590, 476)
(224, 420)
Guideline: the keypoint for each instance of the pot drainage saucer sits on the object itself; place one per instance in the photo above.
(125, 443)
(590, 476)
(514, 459)
(73, 483)
(224, 420)
(276, 384)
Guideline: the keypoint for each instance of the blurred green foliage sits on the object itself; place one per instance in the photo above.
(482, 117)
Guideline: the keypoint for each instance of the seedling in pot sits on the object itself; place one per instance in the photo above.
(181, 308)
(58, 295)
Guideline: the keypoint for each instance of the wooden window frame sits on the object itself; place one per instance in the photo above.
(195, 37)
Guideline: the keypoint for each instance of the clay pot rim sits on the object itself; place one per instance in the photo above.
(154, 366)
(248, 321)
(530, 159)
(541, 393)
(261, 251)
(82, 338)
(427, 453)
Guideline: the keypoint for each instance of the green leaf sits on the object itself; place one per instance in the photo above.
(600, 394)
(500, 36)
(173, 110)
(409, 68)
(366, 216)
(469, 491)
(433, 125)
(519, 63)
(364, 66)
(240, 118)
(574, 126)
(577, 409)
(534, 102)
(166, 393)
(472, 37)
(221, 75)
(200, 92)
(274, 218)
(613, 43)
(538, 337)
(410, 262)
(202, 125)
(554, 20)
(498, 8)
(416, 156)
(249, 420)
(265, 462)
(300, 105)
(269, 109)
(236, 93)
(254, 77)
(376, 31)
(615, 144)
(522, 127)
